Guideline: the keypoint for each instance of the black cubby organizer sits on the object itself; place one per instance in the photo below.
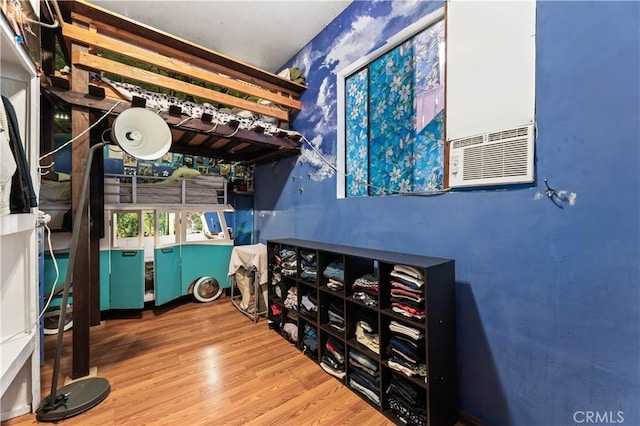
(350, 320)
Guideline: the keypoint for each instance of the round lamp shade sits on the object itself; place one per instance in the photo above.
(142, 133)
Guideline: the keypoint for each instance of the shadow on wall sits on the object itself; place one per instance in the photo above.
(476, 364)
(274, 176)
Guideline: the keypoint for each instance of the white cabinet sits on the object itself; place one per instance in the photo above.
(19, 328)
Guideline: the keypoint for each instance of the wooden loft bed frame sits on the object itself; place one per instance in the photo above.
(89, 28)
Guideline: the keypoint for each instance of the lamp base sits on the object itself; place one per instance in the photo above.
(81, 396)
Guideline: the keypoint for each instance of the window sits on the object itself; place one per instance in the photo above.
(126, 229)
(391, 125)
(394, 116)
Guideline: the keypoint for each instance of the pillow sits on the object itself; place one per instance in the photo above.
(185, 172)
(55, 192)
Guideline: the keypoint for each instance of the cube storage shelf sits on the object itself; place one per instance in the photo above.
(318, 315)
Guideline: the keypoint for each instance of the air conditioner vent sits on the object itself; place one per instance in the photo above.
(496, 158)
(468, 141)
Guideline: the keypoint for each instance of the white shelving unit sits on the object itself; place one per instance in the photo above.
(19, 329)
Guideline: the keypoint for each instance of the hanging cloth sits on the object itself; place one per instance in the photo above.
(7, 163)
(23, 196)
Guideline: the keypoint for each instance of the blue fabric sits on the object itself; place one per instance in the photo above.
(334, 270)
(364, 360)
(401, 148)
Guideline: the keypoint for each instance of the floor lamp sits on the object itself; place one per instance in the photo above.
(144, 135)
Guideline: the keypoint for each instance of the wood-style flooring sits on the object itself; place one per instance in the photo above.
(204, 364)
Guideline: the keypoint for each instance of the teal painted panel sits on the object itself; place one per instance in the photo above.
(105, 284)
(166, 274)
(50, 276)
(200, 260)
(127, 279)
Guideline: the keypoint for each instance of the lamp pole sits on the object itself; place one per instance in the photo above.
(82, 395)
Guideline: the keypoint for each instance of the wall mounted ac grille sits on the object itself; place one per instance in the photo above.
(497, 158)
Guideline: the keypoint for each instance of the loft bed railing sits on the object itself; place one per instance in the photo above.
(132, 190)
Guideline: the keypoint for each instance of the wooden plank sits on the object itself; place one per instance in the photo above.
(220, 143)
(88, 38)
(97, 63)
(239, 147)
(199, 139)
(158, 41)
(177, 134)
(47, 108)
(81, 270)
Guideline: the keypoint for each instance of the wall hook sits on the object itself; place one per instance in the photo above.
(44, 170)
(550, 192)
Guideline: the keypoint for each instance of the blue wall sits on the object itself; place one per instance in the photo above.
(547, 297)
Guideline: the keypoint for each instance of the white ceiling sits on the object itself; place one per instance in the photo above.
(263, 33)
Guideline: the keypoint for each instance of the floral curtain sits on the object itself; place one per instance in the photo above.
(395, 114)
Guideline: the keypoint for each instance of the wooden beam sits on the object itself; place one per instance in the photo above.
(173, 52)
(239, 147)
(89, 38)
(81, 270)
(99, 17)
(47, 108)
(195, 139)
(80, 99)
(87, 61)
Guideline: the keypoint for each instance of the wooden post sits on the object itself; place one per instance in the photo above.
(82, 271)
(47, 143)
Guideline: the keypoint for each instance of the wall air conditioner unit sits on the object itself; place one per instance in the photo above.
(496, 158)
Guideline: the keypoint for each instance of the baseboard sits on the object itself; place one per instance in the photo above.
(15, 412)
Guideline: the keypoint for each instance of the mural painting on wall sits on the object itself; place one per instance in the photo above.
(353, 35)
(117, 162)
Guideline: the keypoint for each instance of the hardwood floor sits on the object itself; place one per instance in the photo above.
(205, 364)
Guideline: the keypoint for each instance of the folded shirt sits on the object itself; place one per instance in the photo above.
(409, 270)
(334, 372)
(406, 279)
(406, 291)
(407, 311)
(373, 397)
(335, 270)
(355, 364)
(366, 281)
(406, 330)
(406, 369)
(366, 379)
(409, 415)
(404, 390)
(329, 360)
(397, 285)
(363, 359)
(367, 337)
(418, 305)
